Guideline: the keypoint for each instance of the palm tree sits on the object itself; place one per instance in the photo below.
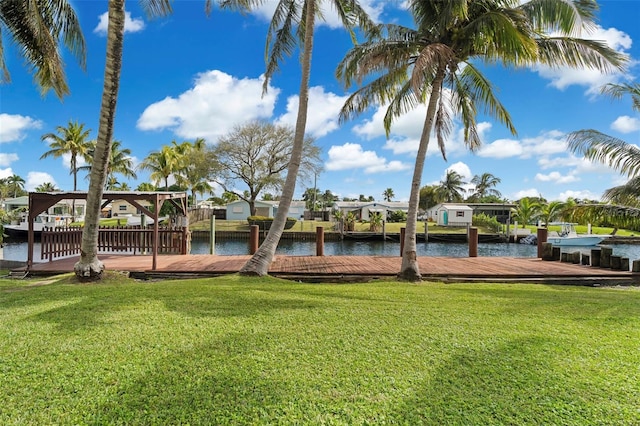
(485, 186)
(36, 27)
(550, 211)
(388, 194)
(407, 67)
(281, 41)
(195, 168)
(162, 164)
(526, 210)
(15, 184)
(46, 187)
(120, 162)
(71, 140)
(89, 267)
(451, 188)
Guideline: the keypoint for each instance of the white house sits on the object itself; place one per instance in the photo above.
(363, 209)
(239, 209)
(451, 214)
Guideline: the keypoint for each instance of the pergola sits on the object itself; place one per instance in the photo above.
(39, 202)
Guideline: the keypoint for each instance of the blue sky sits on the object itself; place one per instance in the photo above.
(189, 75)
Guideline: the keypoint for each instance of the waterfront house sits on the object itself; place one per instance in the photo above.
(363, 209)
(239, 209)
(451, 214)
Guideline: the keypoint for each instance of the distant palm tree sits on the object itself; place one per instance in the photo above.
(37, 27)
(15, 184)
(282, 41)
(120, 162)
(146, 187)
(550, 212)
(162, 164)
(46, 187)
(195, 168)
(437, 64)
(388, 194)
(485, 186)
(451, 189)
(525, 211)
(72, 140)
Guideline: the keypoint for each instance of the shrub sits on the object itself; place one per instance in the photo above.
(265, 222)
(397, 216)
(485, 221)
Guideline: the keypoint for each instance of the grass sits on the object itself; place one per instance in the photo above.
(234, 350)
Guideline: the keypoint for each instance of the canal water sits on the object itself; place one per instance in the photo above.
(18, 250)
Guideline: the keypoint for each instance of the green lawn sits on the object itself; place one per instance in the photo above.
(235, 350)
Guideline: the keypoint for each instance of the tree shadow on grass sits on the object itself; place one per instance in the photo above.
(520, 382)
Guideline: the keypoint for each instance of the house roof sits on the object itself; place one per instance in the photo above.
(453, 206)
(376, 204)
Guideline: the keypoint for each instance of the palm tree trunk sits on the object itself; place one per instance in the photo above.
(261, 260)
(409, 270)
(89, 267)
(74, 170)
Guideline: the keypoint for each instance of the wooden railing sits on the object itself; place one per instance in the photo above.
(61, 242)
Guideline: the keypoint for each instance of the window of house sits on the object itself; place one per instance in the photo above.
(459, 213)
(238, 209)
(122, 208)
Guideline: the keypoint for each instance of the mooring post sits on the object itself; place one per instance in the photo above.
(426, 231)
(542, 238)
(212, 235)
(473, 241)
(402, 231)
(254, 238)
(319, 241)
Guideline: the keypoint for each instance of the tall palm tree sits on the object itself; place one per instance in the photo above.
(485, 186)
(120, 162)
(72, 140)
(550, 211)
(195, 168)
(435, 63)
(280, 42)
(89, 267)
(451, 187)
(36, 27)
(15, 184)
(162, 164)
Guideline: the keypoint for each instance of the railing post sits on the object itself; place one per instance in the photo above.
(254, 237)
(319, 241)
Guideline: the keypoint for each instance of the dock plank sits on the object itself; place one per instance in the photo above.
(433, 268)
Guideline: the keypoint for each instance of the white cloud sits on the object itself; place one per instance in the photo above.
(13, 127)
(5, 173)
(501, 148)
(584, 194)
(531, 192)
(131, 25)
(563, 77)
(351, 156)
(7, 159)
(626, 124)
(35, 179)
(211, 108)
(324, 118)
(556, 177)
(461, 168)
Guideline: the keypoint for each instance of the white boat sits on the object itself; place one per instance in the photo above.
(21, 230)
(569, 237)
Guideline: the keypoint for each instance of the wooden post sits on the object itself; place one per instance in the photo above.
(605, 257)
(547, 251)
(595, 257)
(586, 259)
(319, 241)
(575, 257)
(426, 231)
(624, 264)
(635, 266)
(254, 238)
(212, 235)
(542, 238)
(402, 231)
(384, 230)
(556, 253)
(473, 242)
(616, 263)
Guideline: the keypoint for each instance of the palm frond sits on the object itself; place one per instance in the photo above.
(613, 152)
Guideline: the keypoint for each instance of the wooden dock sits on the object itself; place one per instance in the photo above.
(358, 268)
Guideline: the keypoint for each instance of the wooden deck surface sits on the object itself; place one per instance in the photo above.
(340, 268)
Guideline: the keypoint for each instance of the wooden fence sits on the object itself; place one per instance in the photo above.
(61, 242)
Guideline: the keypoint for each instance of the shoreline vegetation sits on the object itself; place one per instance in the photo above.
(191, 351)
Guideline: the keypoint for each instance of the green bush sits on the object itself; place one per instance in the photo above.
(265, 222)
(489, 222)
(397, 216)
